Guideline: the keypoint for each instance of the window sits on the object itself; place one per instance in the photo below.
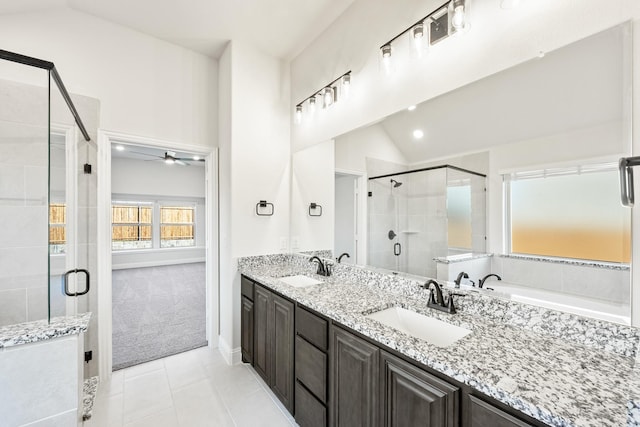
(569, 213)
(131, 226)
(57, 228)
(177, 226)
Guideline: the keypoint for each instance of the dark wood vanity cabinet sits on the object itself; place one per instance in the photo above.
(482, 414)
(412, 397)
(311, 369)
(271, 324)
(281, 331)
(332, 376)
(355, 374)
(246, 320)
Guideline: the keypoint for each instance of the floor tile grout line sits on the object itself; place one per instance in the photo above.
(173, 402)
(286, 414)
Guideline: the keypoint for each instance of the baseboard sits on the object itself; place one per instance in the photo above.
(231, 356)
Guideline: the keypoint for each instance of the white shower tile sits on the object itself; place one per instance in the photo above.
(24, 226)
(36, 191)
(12, 185)
(13, 306)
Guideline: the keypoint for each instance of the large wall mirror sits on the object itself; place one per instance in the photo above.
(514, 174)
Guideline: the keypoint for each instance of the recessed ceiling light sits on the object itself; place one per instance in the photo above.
(417, 134)
(411, 107)
(509, 4)
(119, 147)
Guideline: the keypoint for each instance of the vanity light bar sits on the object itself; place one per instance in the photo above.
(326, 96)
(458, 9)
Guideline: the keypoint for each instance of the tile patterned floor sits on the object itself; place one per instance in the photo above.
(193, 389)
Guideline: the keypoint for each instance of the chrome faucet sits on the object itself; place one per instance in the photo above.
(461, 276)
(484, 279)
(437, 300)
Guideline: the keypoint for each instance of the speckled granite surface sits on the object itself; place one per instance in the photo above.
(40, 330)
(561, 369)
(89, 391)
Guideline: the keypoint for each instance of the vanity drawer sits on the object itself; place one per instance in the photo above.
(311, 368)
(309, 411)
(485, 414)
(246, 287)
(312, 327)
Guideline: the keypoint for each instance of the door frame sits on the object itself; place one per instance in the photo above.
(360, 200)
(105, 314)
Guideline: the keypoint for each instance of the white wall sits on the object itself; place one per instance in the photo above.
(353, 148)
(146, 86)
(313, 182)
(498, 39)
(254, 166)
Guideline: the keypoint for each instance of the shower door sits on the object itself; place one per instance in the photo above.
(72, 221)
(387, 212)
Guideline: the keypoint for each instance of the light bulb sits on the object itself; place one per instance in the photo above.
(328, 97)
(346, 85)
(386, 51)
(169, 161)
(418, 134)
(386, 57)
(298, 116)
(119, 147)
(418, 31)
(509, 4)
(457, 21)
(196, 158)
(312, 105)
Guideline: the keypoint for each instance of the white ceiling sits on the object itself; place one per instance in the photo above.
(572, 88)
(281, 28)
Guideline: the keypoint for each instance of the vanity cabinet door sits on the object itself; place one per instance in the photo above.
(412, 397)
(246, 327)
(355, 381)
(484, 414)
(282, 336)
(261, 334)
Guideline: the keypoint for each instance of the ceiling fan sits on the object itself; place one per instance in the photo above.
(170, 158)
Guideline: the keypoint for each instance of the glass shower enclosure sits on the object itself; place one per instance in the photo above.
(418, 215)
(47, 196)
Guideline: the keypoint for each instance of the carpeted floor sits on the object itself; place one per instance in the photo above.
(157, 312)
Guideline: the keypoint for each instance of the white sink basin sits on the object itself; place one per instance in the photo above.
(300, 281)
(434, 331)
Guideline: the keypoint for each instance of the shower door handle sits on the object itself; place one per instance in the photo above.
(397, 249)
(66, 282)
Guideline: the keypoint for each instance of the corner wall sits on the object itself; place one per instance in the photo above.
(254, 166)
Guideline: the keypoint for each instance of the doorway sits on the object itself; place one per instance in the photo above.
(158, 237)
(350, 217)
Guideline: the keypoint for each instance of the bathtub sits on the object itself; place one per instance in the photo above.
(581, 306)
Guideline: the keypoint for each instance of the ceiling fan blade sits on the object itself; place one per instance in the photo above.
(180, 162)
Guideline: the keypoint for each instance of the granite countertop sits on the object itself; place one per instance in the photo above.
(533, 369)
(41, 330)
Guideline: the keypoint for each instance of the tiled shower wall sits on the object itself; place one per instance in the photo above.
(157, 311)
(23, 203)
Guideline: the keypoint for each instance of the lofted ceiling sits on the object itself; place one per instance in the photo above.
(281, 28)
(576, 87)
